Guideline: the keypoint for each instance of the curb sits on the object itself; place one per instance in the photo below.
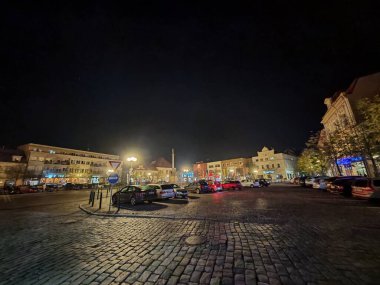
(141, 216)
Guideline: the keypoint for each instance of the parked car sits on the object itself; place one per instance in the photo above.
(320, 182)
(302, 181)
(264, 182)
(343, 185)
(11, 189)
(232, 184)
(250, 183)
(215, 186)
(367, 188)
(133, 194)
(295, 180)
(180, 192)
(330, 181)
(198, 187)
(26, 189)
(163, 191)
(309, 181)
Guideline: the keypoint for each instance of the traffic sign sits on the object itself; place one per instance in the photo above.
(114, 164)
(113, 178)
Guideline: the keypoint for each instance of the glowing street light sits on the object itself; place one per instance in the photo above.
(131, 160)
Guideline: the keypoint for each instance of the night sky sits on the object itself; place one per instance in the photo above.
(214, 82)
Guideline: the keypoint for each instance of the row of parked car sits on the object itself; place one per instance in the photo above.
(151, 192)
(22, 189)
(356, 186)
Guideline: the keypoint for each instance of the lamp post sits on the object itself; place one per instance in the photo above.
(131, 160)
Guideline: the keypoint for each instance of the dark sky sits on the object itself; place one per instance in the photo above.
(213, 82)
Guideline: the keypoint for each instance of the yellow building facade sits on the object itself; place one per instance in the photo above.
(274, 166)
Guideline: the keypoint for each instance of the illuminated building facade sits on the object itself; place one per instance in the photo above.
(342, 111)
(50, 164)
(274, 166)
(214, 170)
(236, 168)
(200, 170)
(12, 167)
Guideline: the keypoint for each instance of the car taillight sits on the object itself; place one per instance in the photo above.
(162, 192)
(368, 189)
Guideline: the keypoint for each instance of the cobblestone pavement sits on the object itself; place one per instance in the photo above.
(278, 235)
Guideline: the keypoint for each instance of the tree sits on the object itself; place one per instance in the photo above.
(313, 161)
(369, 128)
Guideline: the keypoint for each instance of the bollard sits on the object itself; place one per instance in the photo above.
(90, 199)
(93, 199)
(100, 202)
(109, 208)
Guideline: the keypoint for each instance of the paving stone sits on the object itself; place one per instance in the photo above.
(205, 278)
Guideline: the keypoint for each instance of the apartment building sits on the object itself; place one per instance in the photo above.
(274, 166)
(12, 167)
(50, 164)
(236, 168)
(214, 170)
(342, 111)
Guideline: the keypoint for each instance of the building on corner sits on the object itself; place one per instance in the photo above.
(58, 165)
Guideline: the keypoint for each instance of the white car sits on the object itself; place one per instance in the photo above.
(250, 183)
(163, 191)
(180, 192)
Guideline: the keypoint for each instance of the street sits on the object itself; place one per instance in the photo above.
(282, 234)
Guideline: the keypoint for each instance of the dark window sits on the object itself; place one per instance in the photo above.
(361, 183)
(125, 189)
(166, 186)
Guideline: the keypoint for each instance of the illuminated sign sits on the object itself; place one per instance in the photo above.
(349, 160)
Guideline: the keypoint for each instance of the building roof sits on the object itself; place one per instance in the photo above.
(68, 149)
(161, 162)
(363, 87)
(6, 155)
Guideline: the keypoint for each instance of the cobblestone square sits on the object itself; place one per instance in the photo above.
(277, 235)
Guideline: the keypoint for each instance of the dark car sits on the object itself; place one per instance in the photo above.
(330, 181)
(302, 181)
(366, 188)
(198, 187)
(232, 184)
(343, 185)
(134, 194)
(264, 182)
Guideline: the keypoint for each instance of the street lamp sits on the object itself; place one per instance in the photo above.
(131, 160)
